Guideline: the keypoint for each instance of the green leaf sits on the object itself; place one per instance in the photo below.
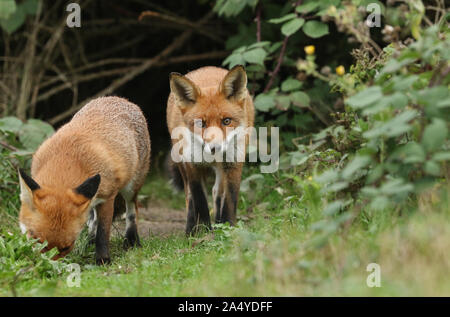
(7, 8)
(443, 103)
(10, 124)
(232, 7)
(441, 156)
(338, 186)
(285, 18)
(333, 207)
(291, 84)
(14, 21)
(431, 97)
(394, 127)
(259, 44)
(264, 102)
(298, 158)
(34, 132)
(434, 135)
(257, 179)
(411, 152)
(307, 7)
(365, 97)
(255, 56)
(375, 173)
(355, 165)
(396, 187)
(432, 168)
(283, 101)
(379, 203)
(394, 65)
(405, 82)
(315, 29)
(398, 100)
(234, 59)
(292, 26)
(300, 99)
(327, 177)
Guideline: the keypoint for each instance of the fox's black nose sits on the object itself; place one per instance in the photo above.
(215, 148)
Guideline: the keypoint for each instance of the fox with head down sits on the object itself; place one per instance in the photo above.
(102, 154)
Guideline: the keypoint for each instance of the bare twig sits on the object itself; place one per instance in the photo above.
(176, 43)
(123, 70)
(280, 59)
(179, 22)
(8, 146)
(258, 21)
(279, 62)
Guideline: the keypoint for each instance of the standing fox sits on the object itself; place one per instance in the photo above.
(210, 103)
(102, 152)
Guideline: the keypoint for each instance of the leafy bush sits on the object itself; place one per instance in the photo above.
(397, 128)
(18, 141)
(21, 259)
(385, 139)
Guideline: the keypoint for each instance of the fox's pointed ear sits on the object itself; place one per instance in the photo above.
(27, 186)
(184, 89)
(90, 186)
(234, 85)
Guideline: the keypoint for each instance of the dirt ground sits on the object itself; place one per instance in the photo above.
(156, 219)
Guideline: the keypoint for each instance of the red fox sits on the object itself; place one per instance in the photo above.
(102, 152)
(212, 99)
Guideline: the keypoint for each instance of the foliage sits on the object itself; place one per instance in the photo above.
(394, 134)
(18, 141)
(13, 14)
(21, 259)
(385, 140)
(363, 175)
(275, 250)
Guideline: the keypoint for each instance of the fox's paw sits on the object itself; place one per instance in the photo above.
(131, 240)
(105, 260)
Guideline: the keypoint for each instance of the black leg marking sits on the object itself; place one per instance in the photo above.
(131, 235)
(218, 203)
(228, 211)
(191, 219)
(198, 212)
(101, 246)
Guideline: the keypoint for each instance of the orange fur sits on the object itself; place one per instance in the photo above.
(210, 94)
(109, 136)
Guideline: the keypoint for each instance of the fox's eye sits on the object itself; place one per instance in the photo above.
(226, 121)
(199, 123)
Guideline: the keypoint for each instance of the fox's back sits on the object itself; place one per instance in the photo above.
(109, 135)
(113, 120)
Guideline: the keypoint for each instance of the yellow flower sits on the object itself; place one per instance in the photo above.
(310, 178)
(332, 10)
(340, 70)
(310, 49)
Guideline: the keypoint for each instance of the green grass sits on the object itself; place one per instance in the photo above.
(281, 247)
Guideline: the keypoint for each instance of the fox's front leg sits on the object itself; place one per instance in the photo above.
(226, 193)
(105, 217)
(197, 205)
